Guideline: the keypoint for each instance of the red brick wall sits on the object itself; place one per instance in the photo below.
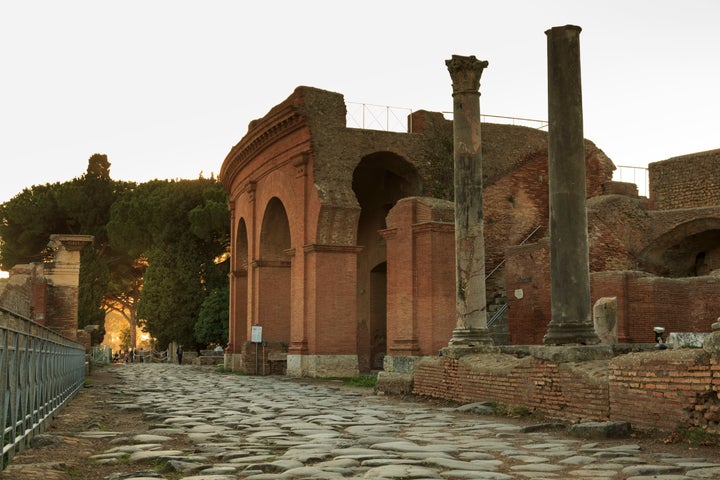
(274, 300)
(61, 312)
(688, 181)
(421, 276)
(527, 279)
(435, 285)
(332, 318)
(25, 292)
(557, 390)
(644, 301)
(660, 390)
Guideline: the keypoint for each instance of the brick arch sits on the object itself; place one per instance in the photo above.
(238, 324)
(272, 273)
(275, 232)
(689, 249)
(241, 247)
(380, 179)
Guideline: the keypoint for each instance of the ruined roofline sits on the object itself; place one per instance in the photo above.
(691, 156)
(278, 121)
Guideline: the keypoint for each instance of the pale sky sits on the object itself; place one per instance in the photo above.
(166, 87)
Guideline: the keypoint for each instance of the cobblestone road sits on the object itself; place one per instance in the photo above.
(259, 428)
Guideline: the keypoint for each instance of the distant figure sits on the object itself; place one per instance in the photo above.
(179, 354)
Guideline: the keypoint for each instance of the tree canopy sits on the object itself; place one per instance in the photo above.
(156, 245)
(181, 227)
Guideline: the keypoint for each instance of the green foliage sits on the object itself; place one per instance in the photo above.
(359, 381)
(213, 319)
(695, 436)
(125, 338)
(93, 280)
(511, 411)
(367, 381)
(154, 249)
(223, 370)
(177, 227)
(80, 206)
(26, 223)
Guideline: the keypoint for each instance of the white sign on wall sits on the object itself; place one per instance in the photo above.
(256, 334)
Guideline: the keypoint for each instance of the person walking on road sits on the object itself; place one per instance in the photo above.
(179, 354)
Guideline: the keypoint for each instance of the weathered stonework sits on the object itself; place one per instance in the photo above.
(47, 293)
(313, 210)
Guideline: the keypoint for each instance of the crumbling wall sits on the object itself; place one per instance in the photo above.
(643, 300)
(26, 291)
(687, 181)
(653, 390)
(657, 390)
(571, 391)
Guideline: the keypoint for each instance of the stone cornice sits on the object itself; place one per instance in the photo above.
(315, 247)
(262, 133)
(72, 243)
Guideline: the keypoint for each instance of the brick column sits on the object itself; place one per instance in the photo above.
(470, 302)
(571, 314)
(63, 274)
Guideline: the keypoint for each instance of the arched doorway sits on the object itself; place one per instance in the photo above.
(379, 181)
(691, 249)
(378, 315)
(272, 274)
(239, 298)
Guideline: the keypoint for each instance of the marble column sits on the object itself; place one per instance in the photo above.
(571, 311)
(470, 298)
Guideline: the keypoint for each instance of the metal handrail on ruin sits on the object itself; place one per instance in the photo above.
(39, 372)
(368, 116)
(637, 175)
(504, 306)
(528, 237)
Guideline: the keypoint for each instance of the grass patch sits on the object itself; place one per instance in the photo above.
(220, 368)
(366, 381)
(695, 436)
(510, 411)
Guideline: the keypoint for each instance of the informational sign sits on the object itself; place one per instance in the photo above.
(256, 334)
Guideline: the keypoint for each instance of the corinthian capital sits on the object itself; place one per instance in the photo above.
(465, 73)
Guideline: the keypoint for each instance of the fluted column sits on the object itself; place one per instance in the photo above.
(571, 321)
(470, 298)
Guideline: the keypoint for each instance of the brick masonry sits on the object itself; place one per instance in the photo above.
(656, 390)
(688, 181)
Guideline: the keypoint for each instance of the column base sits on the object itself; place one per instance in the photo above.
(470, 337)
(570, 334)
(401, 363)
(233, 362)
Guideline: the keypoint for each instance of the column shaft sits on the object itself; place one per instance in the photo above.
(470, 297)
(571, 321)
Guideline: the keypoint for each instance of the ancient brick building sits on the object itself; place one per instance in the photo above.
(47, 292)
(342, 239)
(659, 257)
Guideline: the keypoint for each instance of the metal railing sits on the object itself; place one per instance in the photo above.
(39, 372)
(395, 119)
(528, 237)
(501, 310)
(377, 117)
(637, 175)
